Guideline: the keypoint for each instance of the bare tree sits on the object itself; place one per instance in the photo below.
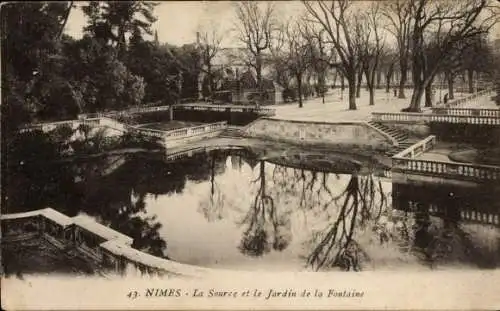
(209, 43)
(322, 57)
(297, 53)
(373, 47)
(476, 57)
(387, 65)
(446, 24)
(256, 25)
(399, 16)
(337, 19)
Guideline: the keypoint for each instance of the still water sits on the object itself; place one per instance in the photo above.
(285, 211)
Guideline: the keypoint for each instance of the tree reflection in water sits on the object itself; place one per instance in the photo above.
(213, 208)
(267, 227)
(357, 208)
(39, 174)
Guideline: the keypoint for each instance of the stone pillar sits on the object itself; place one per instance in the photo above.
(201, 76)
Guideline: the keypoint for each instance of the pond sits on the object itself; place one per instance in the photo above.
(286, 210)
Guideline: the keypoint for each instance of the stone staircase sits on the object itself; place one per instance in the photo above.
(401, 137)
(232, 131)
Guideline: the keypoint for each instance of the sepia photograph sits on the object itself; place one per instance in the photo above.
(250, 154)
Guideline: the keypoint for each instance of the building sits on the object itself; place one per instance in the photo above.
(235, 80)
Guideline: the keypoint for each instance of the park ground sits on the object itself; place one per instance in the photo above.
(335, 108)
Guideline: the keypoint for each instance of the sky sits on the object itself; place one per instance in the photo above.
(178, 21)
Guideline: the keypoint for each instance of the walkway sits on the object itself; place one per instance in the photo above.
(441, 151)
(483, 102)
(336, 109)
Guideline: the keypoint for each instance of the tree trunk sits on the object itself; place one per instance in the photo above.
(388, 78)
(299, 85)
(210, 83)
(200, 86)
(171, 112)
(65, 19)
(428, 95)
(342, 83)
(449, 78)
(372, 96)
(402, 82)
(358, 85)
(258, 69)
(370, 84)
(352, 93)
(416, 98)
(379, 79)
(470, 76)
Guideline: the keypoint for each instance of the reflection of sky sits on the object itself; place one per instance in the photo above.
(192, 239)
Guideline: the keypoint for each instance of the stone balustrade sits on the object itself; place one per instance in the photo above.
(187, 106)
(167, 137)
(227, 108)
(480, 217)
(465, 214)
(404, 117)
(467, 112)
(465, 100)
(451, 113)
(417, 149)
(108, 248)
(174, 137)
(464, 119)
(74, 124)
(481, 118)
(407, 162)
(463, 170)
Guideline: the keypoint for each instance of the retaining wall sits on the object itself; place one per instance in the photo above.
(340, 133)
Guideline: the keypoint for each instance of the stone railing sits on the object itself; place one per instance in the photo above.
(465, 100)
(400, 117)
(447, 169)
(464, 119)
(228, 108)
(446, 114)
(406, 161)
(108, 248)
(49, 126)
(417, 149)
(466, 214)
(467, 112)
(481, 217)
(147, 131)
(91, 121)
(185, 106)
(172, 137)
(427, 117)
(107, 122)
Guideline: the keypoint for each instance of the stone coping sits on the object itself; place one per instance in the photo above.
(354, 122)
(118, 244)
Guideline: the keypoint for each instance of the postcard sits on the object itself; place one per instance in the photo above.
(286, 155)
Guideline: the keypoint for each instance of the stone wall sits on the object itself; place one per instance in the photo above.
(340, 133)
